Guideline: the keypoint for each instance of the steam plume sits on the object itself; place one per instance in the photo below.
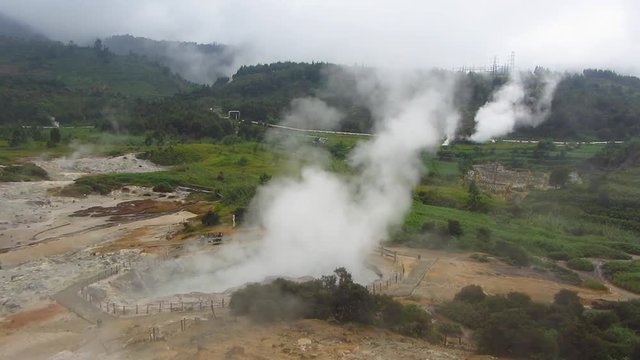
(513, 105)
(312, 113)
(318, 220)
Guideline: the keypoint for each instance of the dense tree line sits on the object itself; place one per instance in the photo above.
(334, 297)
(513, 325)
(84, 84)
(596, 104)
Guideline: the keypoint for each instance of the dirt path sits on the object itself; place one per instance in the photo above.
(453, 271)
(70, 299)
(409, 283)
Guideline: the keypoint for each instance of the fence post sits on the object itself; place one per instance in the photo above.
(200, 305)
(136, 309)
(395, 256)
(213, 311)
(223, 303)
(181, 306)
(123, 309)
(160, 308)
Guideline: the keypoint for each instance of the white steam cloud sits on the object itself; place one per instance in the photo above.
(512, 105)
(312, 113)
(318, 220)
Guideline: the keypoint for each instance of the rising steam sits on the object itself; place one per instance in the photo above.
(319, 220)
(312, 113)
(514, 105)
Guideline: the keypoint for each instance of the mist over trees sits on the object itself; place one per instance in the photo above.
(198, 63)
(96, 86)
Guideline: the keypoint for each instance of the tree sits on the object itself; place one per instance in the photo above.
(18, 137)
(543, 148)
(54, 136)
(569, 300)
(513, 333)
(97, 45)
(163, 187)
(471, 294)
(483, 234)
(210, 218)
(352, 301)
(559, 177)
(474, 199)
(450, 329)
(454, 228)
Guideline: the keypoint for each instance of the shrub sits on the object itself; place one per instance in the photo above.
(427, 226)
(239, 213)
(580, 264)
(242, 161)
(454, 228)
(331, 297)
(594, 284)
(516, 327)
(449, 329)
(483, 234)
(264, 178)
(462, 312)
(22, 172)
(514, 254)
(565, 275)
(480, 257)
(558, 255)
(471, 294)
(210, 218)
(231, 139)
(559, 177)
(163, 187)
(188, 227)
(171, 156)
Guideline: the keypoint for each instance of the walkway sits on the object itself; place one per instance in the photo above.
(409, 283)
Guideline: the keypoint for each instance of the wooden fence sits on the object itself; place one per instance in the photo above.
(120, 310)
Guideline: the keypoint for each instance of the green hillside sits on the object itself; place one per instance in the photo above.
(40, 78)
(592, 105)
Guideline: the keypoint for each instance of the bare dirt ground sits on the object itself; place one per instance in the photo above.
(30, 214)
(48, 241)
(453, 271)
(61, 336)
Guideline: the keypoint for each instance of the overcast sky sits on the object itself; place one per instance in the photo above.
(567, 34)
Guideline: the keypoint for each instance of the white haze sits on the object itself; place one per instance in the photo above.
(509, 108)
(312, 113)
(561, 35)
(318, 220)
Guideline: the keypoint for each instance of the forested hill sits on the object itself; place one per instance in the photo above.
(41, 78)
(13, 28)
(93, 85)
(596, 104)
(593, 105)
(198, 63)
